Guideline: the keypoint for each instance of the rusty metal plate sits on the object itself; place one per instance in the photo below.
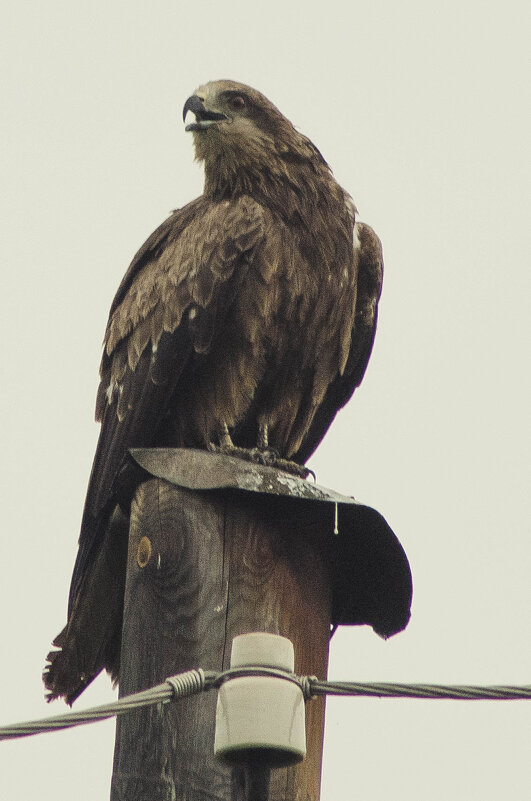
(197, 469)
(370, 573)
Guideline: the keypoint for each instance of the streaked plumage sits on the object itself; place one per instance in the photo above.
(251, 309)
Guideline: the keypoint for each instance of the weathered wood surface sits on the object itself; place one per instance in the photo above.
(222, 563)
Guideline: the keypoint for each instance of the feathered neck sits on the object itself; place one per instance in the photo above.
(288, 179)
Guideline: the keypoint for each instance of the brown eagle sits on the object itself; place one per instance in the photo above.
(243, 324)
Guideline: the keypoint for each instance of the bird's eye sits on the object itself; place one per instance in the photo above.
(237, 102)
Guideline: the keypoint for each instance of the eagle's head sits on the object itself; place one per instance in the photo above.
(239, 134)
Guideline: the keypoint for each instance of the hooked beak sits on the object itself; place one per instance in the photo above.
(203, 118)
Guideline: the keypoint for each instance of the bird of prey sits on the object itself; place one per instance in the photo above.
(243, 324)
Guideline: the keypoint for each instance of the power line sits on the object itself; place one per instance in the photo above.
(195, 681)
(188, 683)
(454, 692)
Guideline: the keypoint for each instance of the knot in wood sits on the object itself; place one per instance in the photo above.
(144, 551)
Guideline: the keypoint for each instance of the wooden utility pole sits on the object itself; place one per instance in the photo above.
(203, 567)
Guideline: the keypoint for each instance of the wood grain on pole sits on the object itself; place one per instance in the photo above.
(203, 567)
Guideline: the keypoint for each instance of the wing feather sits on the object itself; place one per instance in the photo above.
(369, 286)
(168, 307)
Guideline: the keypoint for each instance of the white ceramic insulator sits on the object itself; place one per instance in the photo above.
(261, 717)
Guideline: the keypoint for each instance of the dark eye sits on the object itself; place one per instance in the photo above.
(237, 102)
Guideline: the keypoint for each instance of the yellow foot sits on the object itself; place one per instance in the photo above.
(266, 456)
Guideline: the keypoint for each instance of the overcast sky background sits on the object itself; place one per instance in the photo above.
(421, 108)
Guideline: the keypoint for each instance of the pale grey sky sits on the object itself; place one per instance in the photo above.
(421, 108)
